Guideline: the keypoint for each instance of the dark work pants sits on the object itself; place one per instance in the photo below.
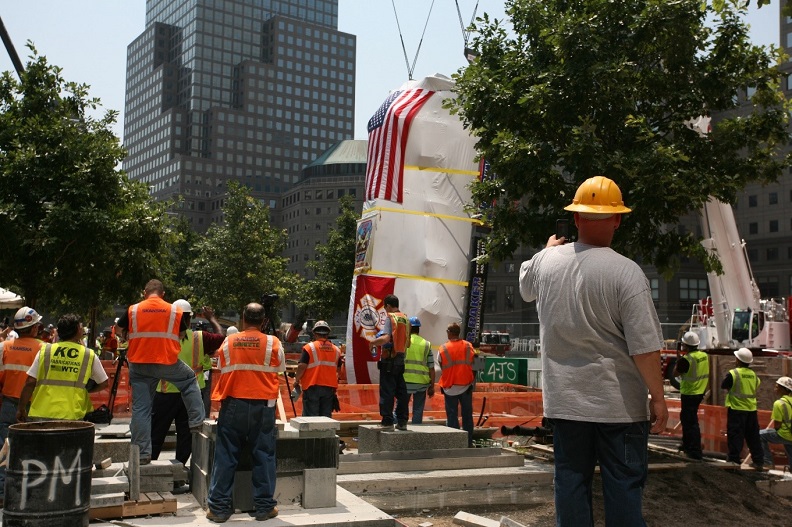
(691, 432)
(318, 401)
(166, 408)
(392, 386)
(743, 426)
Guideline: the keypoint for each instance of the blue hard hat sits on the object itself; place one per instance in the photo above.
(415, 322)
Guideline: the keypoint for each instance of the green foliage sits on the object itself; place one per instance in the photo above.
(180, 252)
(238, 261)
(77, 233)
(595, 87)
(328, 293)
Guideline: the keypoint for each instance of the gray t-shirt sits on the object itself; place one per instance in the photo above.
(595, 311)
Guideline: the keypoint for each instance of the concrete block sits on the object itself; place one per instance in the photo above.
(319, 488)
(776, 487)
(116, 449)
(160, 467)
(471, 520)
(133, 472)
(288, 490)
(508, 522)
(109, 485)
(156, 483)
(310, 424)
(371, 438)
(107, 500)
(114, 470)
(114, 430)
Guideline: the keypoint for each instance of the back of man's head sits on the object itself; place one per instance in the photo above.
(68, 326)
(154, 286)
(454, 330)
(253, 315)
(392, 301)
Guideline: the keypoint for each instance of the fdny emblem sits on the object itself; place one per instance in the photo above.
(369, 315)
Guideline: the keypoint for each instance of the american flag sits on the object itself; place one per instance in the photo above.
(388, 129)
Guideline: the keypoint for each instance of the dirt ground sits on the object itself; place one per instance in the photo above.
(697, 495)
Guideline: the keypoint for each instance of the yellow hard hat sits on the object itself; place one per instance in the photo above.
(598, 195)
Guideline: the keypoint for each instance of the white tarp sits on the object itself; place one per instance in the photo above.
(9, 299)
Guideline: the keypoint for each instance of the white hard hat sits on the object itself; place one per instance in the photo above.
(231, 330)
(745, 355)
(26, 317)
(691, 339)
(786, 382)
(321, 327)
(183, 305)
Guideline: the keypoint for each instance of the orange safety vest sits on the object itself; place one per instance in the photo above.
(400, 331)
(17, 357)
(322, 367)
(249, 363)
(456, 363)
(154, 332)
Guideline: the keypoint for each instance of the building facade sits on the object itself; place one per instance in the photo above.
(244, 90)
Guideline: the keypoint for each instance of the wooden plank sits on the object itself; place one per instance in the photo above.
(154, 497)
(169, 502)
(103, 513)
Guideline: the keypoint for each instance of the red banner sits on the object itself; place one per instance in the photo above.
(369, 317)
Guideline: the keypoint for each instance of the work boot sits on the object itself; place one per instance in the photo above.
(402, 426)
(213, 517)
(386, 426)
(267, 515)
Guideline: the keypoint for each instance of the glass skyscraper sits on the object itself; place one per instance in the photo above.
(245, 90)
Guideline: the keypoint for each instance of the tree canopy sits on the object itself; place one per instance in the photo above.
(76, 231)
(579, 88)
(238, 261)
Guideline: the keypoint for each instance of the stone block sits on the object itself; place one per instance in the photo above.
(371, 438)
(160, 483)
(312, 424)
(107, 500)
(471, 520)
(116, 449)
(114, 470)
(288, 490)
(319, 488)
(109, 485)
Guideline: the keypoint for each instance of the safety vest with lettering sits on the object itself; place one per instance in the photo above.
(694, 381)
(154, 332)
(456, 363)
(785, 431)
(742, 395)
(192, 353)
(322, 367)
(17, 356)
(416, 370)
(249, 363)
(400, 331)
(63, 370)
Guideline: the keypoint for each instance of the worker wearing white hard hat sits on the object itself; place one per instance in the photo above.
(742, 422)
(693, 370)
(781, 420)
(197, 348)
(231, 330)
(16, 356)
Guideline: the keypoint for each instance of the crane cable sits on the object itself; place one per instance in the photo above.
(411, 69)
(466, 33)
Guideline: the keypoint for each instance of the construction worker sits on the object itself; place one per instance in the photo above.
(601, 342)
(197, 348)
(456, 379)
(248, 387)
(781, 433)
(742, 422)
(391, 365)
(61, 377)
(153, 327)
(16, 356)
(693, 369)
(317, 373)
(419, 371)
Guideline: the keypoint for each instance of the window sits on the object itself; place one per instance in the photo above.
(773, 198)
(490, 302)
(768, 285)
(773, 226)
(509, 297)
(692, 289)
(753, 228)
(772, 254)
(752, 201)
(655, 285)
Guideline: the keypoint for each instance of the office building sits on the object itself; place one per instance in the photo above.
(244, 90)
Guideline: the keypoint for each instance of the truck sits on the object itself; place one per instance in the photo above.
(495, 343)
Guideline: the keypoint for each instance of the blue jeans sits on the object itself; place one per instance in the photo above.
(621, 450)
(241, 422)
(419, 401)
(771, 436)
(143, 379)
(453, 404)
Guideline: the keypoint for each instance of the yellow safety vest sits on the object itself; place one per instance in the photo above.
(694, 382)
(63, 370)
(415, 369)
(742, 395)
(785, 431)
(192, 352)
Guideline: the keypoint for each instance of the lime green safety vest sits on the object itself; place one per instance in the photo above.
(192, 352)
(63, 370)
(742, 395)
(415, 369)
(785, 431)
(694, 382)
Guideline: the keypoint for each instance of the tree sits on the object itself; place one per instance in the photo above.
(239, 260)
(77, 233)
(595, 87)
(328, 293)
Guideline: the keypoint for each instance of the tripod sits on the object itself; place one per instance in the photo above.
(268, 327)
(104, 414)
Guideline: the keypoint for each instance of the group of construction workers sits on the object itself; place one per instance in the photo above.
(742, 426)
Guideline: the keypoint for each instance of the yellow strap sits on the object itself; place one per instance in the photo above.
(428, 214)
(475, 173)
(416, 277)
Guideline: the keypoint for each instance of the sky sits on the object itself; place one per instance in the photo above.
(88, 40)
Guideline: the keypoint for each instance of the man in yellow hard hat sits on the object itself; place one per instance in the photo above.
(601, 342)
